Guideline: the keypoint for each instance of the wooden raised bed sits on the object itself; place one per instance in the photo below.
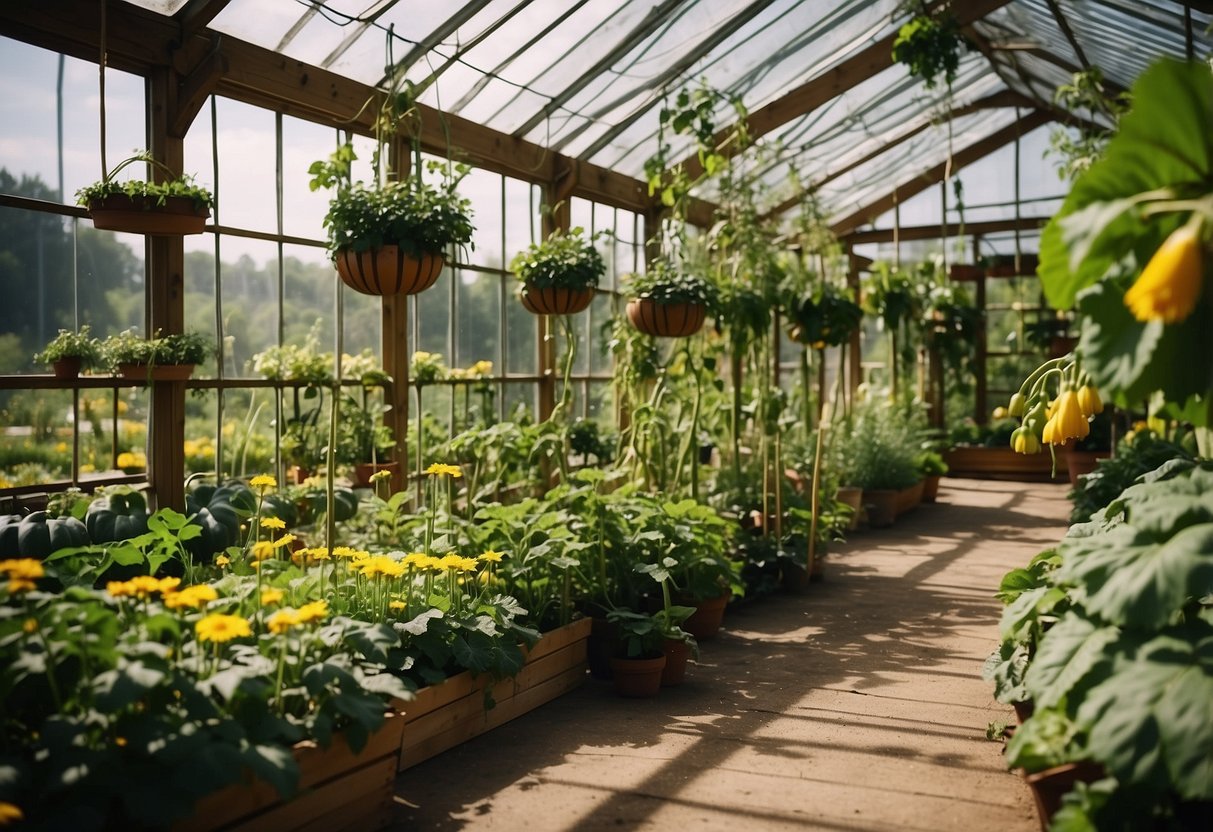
(1004, 464)
(338, 791)
(909, 499)
(445, 715)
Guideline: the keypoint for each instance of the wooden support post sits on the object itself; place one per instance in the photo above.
(981, 410)
(394, 340)
(856, 345)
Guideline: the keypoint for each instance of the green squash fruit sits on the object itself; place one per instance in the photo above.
(38, 535)
(117, 516)
(8, 535)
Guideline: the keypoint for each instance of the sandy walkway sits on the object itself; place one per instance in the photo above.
(857, 706)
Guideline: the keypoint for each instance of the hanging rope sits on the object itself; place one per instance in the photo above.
(101, 83)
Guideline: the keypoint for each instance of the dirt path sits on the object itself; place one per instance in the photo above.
(858, 706)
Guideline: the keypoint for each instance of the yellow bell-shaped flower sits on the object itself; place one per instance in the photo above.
(1067, 421)
(1024, 441)
(1089, 401)
(1017, 405)
(1169, 286)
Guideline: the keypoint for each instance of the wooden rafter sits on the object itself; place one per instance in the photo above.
(1064, 25)
(198, 14)
(1004, 98)
(833, 82)
(931, 232)
(966, 156)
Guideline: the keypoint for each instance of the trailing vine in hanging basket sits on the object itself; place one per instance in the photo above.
(930, 45)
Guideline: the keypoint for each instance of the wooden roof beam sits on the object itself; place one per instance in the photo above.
(932, 232)
(966, 156)
(198, 14)
(821, 88)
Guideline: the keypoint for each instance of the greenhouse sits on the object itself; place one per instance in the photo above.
(602, 414)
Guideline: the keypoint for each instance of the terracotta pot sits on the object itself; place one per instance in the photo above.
(156, 372)
(909, 498)
(930, 488)
(637, 678)
(677, 653)
(1052, 784)
(707, 618)
(881, 505)
(1082, 462)
(853, 497)
(67, 367)
(667, 320)
(364, 470)
(298, 474)
(142, 215)
(556, 300)
(387, 271)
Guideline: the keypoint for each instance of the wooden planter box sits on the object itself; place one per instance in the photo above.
(445, 715)
(1004, 464)
(909, 499)
(338, 790)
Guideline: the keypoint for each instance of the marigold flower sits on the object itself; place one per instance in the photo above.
(28, 568)
(198, 595)
(1025, 441)
(10, 813)
(18, 585)
(283, 620)
(262, 549)
(222, 560)
(1169, 286)
(441, 468)
(273, 523)
(1089, 401)
(1067, 421)
(270, 595)
(490, 556)
(315, 611)
(219, 628)
(263, 481)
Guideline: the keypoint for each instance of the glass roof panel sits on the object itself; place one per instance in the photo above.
(167, 7)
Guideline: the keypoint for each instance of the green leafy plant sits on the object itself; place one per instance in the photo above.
(663, 283)
(824, 317)
(179, 348)
(930, 45)
(68, 344)
(158, 192)
(1136, 455)
(881, 448)
(569, 261)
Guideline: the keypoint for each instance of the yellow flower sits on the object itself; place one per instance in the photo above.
(396, 605)
(491, 557)
(19, 585)
(169, 585)
(416, 559)
(344, 552)
(1025, 441)
(451, 561)
(219, 628)
(270, 595)
(198, 595)
(118, 588)
(1067, 421)
(315, 611)
(441, 468)
(318, 553)
(285, 540)
(30, 625)
(1089, 401)
(283, 620)
(1169, 286)
(263, 481)
(222, 560)
(10, 813)
(143, 586)
(262, 549)
(1000, 413)
(468, 564)
(27, 568)
(273, 523)
(380, 476)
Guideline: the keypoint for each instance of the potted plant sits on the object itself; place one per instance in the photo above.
(824, 317)
(932, 468)
(363, 440)
(639, 660)
(162, 358)
(390, 236)
(560, 274)
(669, 303)
(879, 457)
(176, 205)
(70, 352)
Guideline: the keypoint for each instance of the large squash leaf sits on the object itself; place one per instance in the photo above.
(1149, 722)
(1165, 142)
(1072, 649)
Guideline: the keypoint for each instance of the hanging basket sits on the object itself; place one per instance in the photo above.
(387, 270)
(178, 215)
(556, 300)
(667, 320)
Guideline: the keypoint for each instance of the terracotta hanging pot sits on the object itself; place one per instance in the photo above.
(145, 215)
(667, 320)
(387, 270)
(556, 300)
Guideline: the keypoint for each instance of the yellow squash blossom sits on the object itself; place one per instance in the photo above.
(1067, 421)
(1089, 400)
(1169, 286)
(28, 568)
(1024, 441)
(219, 628)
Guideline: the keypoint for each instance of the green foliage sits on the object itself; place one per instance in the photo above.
(1135, 456)
(824, 317)
(68, 344)
(177, 348)
(930, 46)
(1116, 217)
(562, 260)
(664, 283)
(1080, 147)
(418, 216)
(173, 186)
(880, 448)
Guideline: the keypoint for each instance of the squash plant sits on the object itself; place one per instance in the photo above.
(118, 513)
